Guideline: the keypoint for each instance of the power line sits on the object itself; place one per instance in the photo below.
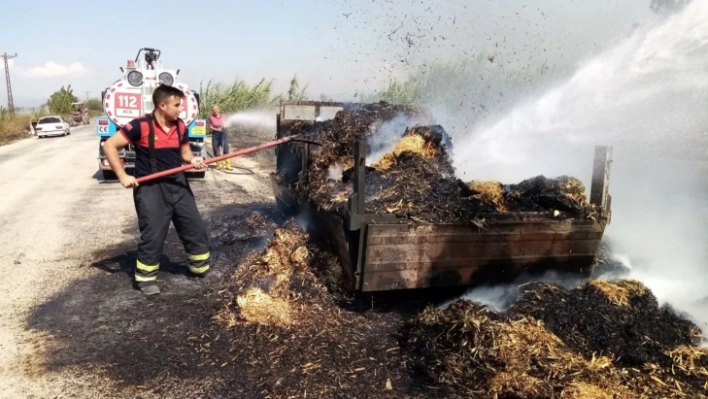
(10, 102)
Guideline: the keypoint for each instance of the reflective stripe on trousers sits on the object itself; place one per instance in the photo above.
(145, 272)
(158, 203)
(198, 264)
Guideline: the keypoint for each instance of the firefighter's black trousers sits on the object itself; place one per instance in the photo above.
(159, 202)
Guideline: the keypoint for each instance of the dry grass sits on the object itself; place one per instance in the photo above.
(341, 197)
(633, 287)
(619, 292)
(467, 350)
(574, 190)
(473, 352)
(692, 361)
(414, 144)
(614, 293)
(583, 390)
(544, 352)
(13, 128)
(489, 192)
(417, 145)
(491, 357)
(258, 307)
(268, 287)
(265, 297)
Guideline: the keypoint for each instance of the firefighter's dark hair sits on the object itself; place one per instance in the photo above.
(163, 93)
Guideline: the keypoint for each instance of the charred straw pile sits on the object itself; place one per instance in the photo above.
(601, 340)
(416, 177)
(279, 286)
(336, 154)
(292, 336)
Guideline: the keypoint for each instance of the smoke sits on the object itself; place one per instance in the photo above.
(536, 92)
(387, 135)
(397, 38)
(334, 172)
(253, 118)
(304, 220)
(638, 95)
(499, 298)
(496, 298)
(646, 96)
(660, 214)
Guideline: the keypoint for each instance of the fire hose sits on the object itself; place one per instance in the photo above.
(234, 154)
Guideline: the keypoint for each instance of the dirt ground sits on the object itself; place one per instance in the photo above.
(71, 324)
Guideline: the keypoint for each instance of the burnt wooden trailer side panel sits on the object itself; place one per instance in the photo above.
(408, 256)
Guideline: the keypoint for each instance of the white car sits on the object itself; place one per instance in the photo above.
(53, 125)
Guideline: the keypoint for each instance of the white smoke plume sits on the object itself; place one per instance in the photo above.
(647, 97)
(335, 172)
(387, 135)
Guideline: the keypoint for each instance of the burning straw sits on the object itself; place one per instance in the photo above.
(600, 340)
(424, 142)
(416, 178)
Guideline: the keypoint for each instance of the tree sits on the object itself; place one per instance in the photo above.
(236, 97)
(668, 6)
(60, 101)
(94, 104)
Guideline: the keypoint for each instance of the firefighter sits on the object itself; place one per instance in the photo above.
(219, 135)
(161, 142)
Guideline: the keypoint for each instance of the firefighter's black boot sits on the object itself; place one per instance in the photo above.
(149, 288)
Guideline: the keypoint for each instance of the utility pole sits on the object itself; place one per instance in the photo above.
(87, 95)
(10, 103)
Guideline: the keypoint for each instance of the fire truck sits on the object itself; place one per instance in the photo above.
(131, 96)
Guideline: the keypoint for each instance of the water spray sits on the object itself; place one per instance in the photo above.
(644, 96)
(256, 118)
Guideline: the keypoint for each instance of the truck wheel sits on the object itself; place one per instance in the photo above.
(109, 175)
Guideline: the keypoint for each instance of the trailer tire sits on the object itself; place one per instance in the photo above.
(109, 175)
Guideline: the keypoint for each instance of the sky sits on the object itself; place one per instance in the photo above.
(336, 47)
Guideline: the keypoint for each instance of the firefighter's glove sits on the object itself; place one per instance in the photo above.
(198, 163)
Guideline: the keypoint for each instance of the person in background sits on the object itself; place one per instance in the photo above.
(219, 135)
